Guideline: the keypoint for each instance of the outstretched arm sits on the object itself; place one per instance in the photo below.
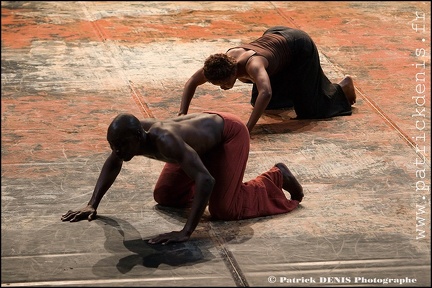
(109, 173)
(256, 69)
(197, 79)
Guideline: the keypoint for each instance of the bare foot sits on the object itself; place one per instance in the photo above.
(347, 85)
(290, 183)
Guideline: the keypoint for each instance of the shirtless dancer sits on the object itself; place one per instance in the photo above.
(284, 67)
(206, 156)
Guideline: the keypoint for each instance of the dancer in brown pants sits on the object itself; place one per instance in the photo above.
(284, 67)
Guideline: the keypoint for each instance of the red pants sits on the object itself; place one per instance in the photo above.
(231, 199)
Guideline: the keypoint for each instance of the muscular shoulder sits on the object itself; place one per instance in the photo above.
(164, 143)
(159, 131)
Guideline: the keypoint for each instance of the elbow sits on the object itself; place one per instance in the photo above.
(266, 95)
(208, 183)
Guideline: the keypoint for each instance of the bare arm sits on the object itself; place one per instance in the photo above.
(191, 163)
(197, 79)
(256, 69)
(204, 183)
(109, 172)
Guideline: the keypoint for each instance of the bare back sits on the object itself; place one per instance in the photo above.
(201, 131)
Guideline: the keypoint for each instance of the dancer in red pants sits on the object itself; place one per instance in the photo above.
(206, 156)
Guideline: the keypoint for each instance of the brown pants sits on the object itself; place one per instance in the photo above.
(231, 199)
(302, 83)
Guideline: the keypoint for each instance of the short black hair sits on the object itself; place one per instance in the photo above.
(219, 67)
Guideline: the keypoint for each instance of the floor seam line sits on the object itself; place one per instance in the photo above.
(229, 260)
